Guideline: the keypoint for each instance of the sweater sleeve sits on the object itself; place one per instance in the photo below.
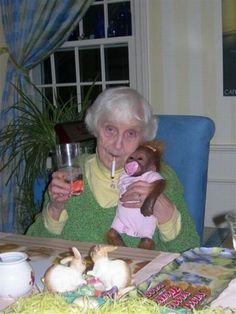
(170, 229)
(187, 237)
(53, 225)
(45, 226)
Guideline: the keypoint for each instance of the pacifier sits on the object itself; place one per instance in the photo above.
(131, 167)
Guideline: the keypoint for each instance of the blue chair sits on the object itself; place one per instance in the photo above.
(187, 142)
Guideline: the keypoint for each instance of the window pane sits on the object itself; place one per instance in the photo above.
(116, 63)
(93, 22)
(46, 74)
(90, 65)
(65, 67)
(66, 95)
(119, 19)
(48, 94)
(97, 89)
(75, 34)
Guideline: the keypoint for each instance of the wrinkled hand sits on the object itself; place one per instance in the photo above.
(163, 209)
(136, 193)
(59, 192)
(148, 205)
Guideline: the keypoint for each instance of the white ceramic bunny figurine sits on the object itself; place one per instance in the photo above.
(110, 272)
(63, 278)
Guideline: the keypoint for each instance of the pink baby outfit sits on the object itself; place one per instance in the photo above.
(130, 220)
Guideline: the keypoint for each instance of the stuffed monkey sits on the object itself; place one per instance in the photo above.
(142, 165)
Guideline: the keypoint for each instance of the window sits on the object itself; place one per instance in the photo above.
(101, 49)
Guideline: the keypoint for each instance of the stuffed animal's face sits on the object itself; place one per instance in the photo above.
(142, 160)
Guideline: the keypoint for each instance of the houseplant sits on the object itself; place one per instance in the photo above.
(28, 140)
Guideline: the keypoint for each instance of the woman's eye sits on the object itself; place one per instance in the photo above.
(109, 129)
(132, 134)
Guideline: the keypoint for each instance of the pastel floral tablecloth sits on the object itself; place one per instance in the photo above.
(212, 270)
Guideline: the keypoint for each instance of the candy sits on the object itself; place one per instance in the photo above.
(174, 291)
(180, 295)
(179, 299)
(153, 291)
(194, 300)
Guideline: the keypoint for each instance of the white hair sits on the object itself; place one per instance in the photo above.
(122, 104)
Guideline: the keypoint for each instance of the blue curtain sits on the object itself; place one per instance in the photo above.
(33, 29)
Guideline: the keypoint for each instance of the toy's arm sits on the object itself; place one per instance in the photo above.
(149, 202)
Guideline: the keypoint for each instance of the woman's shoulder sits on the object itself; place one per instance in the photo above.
(174, 186)
(167, 172)
(87, 162)
(87, 158)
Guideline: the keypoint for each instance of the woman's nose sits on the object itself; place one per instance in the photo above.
(119, 142)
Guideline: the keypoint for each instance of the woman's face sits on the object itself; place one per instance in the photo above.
(118, 139)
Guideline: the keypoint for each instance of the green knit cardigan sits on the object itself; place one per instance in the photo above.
(89, 222)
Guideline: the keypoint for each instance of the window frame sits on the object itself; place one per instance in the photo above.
(137, 49)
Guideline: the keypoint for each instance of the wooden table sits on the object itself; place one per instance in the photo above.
(153, 260)
(59, 246)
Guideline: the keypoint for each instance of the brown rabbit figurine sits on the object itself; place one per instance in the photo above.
(63, 278)
(142, 165)
(110, 272)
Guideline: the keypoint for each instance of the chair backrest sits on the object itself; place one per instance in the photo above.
(187, 143)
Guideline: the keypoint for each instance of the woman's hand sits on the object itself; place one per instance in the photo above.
(163, 209)
(136, 193)
(59, 191)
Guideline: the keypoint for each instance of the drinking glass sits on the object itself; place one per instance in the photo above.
(231, 220)
(68, 158)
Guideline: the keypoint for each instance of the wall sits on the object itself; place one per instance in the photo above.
(185, 59)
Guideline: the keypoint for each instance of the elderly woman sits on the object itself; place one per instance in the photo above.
(120, 119)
